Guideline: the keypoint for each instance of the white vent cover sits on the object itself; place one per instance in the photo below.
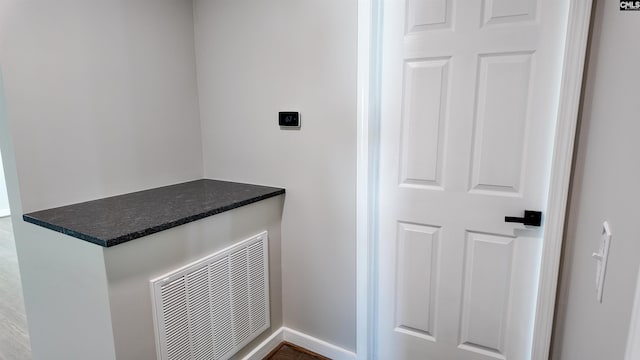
(213, 307)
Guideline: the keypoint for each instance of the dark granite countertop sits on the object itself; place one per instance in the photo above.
(114, 220)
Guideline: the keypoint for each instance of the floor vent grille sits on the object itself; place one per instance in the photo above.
(213, 307)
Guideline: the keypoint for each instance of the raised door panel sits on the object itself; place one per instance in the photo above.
(506, 11)
(486, 293)
(428, 14)
(500, 122)
(416, 273)
(424, 112)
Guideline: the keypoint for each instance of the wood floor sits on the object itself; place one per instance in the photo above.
(287, 351)
(14, 338)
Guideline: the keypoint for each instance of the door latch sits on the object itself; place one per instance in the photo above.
(531, 218)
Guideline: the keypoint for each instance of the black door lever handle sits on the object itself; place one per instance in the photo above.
(531, 218)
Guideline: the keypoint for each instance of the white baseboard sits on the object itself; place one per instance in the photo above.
(5, 212)
(303, 340)
(316, 345)
(262, 350)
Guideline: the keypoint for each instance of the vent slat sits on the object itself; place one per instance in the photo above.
(174, 307)
(256, 255)
(214, 307)
(199, 309)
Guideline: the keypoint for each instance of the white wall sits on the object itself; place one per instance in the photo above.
(102, 96)
(605, 187)
(101, 99)
(255, 58)
(4, 197)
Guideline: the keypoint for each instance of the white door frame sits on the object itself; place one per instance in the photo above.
(368, 117)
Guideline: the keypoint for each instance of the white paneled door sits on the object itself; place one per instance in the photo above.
(469, 104)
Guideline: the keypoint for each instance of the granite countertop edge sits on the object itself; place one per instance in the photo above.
(112, 241)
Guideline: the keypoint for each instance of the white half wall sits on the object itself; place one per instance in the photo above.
(66, 296)
(129, 269)
(255, 58)
(605, 187)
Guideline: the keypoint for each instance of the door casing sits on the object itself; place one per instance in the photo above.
(370, 13)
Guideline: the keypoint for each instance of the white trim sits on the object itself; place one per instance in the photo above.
(369, 12)
(300, 339)
(267, 346)
(5, 212)
(316, 345)
(569, 103)
(363, 284)
(633, 340)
